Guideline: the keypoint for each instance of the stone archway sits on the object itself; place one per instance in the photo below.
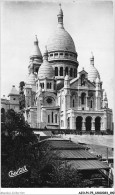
(79, 123)
(98, 123)
(88, 123)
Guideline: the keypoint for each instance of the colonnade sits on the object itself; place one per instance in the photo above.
(63, 71)
(88, 123)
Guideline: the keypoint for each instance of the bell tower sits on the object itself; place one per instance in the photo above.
(35, 57)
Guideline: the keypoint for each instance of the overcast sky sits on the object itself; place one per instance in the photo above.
(89, 23)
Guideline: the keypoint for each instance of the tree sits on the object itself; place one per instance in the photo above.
(16, 142)
(15, 122)
(22, 96)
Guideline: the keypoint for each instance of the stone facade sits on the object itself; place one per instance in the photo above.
(58, 96)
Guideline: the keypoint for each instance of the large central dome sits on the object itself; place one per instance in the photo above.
(60, 40)
(62, 54)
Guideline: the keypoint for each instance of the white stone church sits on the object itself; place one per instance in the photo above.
(57, 96)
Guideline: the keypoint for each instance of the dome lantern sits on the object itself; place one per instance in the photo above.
(60, 17)
(92, 59)
(45, 55)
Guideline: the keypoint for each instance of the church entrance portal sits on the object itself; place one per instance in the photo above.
(88, 123)
(97, 123)
(79, 123)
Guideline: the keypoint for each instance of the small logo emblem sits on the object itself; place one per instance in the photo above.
(18, 172)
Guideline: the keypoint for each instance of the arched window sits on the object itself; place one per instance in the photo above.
(61, 71)
(83, 98)
(48, 118)
(48, 85)
(55, 54)
(52, 117)
(42, 85)
(61, 54)
(83, 79)
(66, 54)
(71, 72)
(91, 103)
(75, 73)
(73, 102)
(55, 118)
(56, 71)
(62, 123)
(66, 71)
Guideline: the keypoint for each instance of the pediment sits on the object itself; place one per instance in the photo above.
(75, 83)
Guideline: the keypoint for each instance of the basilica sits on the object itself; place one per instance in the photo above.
(57, 95)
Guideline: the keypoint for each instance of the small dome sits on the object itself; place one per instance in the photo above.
(93, 73)
(45, 69)
(13, 91)
(31, 79)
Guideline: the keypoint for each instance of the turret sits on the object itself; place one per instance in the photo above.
(35, 57)
(105, 100)
(46, 75)
(66, 82)
(98, 94)
(97, 83)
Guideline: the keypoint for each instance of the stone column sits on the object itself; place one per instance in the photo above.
(93, 125)
(68, 71)
(42, 114)
(86, 102)
(96, 104)
(64, 72)
(45, 85)
(72, 122)
(105, 122)
(58, 71)
(83, 125)
(79, 102)
(101, 126)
